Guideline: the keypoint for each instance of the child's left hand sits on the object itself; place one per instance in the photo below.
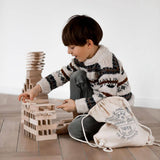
(68, 105)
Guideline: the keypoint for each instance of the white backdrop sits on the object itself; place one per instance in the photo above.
(131, 31)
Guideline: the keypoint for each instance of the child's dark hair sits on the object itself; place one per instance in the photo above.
(80, 28)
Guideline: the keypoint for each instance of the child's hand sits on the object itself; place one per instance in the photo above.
(68, 105)
(34, 92)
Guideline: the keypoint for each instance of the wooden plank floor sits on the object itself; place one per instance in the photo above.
(14, 145)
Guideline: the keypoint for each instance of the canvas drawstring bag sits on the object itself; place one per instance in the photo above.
(121, 127)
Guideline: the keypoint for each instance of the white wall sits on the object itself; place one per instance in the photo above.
(131, 30)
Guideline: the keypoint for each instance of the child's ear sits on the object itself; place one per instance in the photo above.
(90, 43)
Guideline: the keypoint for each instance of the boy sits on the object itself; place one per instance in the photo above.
(94, 73)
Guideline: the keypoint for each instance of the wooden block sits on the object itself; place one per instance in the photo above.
(34, 80)
(22, 114)
(30, 130)
(25, 87)
(39, 53)
(34, 68)
(35, 61)
(47, 108)
(31, 86)
(40, 101)
(33, 58)
(37, 78)
(32, 121)
(42, 96)
(35, 65)
(46, 127)
(35, 55)
(50, 117)
(48, 137)
(45, 105)
(46, 113)
(33, 73)
(27, 84)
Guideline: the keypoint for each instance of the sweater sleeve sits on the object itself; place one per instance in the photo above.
(57, 78)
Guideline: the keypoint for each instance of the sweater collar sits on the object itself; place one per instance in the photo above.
(97, 55)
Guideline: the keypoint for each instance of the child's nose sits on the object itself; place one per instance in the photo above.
(69, 51)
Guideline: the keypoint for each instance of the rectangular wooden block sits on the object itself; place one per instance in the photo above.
(33, 73)
(30, 130)
(46, 127)
(48, 137)
(34, 80)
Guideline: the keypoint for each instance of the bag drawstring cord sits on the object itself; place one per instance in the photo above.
(155, 142)
(105, 149)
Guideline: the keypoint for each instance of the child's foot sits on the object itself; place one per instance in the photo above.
(62, 130)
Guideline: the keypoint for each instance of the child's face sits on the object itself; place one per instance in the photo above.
(81, 53)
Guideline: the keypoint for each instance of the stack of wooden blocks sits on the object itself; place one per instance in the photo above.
(39, 120)
(38, 116)
(34, 67)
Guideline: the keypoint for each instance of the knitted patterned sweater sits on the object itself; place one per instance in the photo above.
(105, 74)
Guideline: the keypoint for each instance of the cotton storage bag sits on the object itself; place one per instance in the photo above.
(121, 127)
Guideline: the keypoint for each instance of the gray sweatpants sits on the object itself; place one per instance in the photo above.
(80, 88)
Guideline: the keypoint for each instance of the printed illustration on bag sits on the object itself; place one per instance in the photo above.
(125, 123)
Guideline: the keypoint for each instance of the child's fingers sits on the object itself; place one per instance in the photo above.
(65, 101)
(31, 97)
(60, 107)
(23, 99)
(64, 107)
(23, 96)
(20, 96)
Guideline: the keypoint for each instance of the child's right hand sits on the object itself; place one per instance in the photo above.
(34, 92)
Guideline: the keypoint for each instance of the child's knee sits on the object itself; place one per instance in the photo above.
(75, 130)
(78, 76)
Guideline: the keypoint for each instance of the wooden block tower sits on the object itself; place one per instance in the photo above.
(38, 117)
(34, 67)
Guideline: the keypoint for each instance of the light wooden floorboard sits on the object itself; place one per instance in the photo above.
(94, 153)
(9, 135)
(121, 153)
(29, 157)
(49, 147)
(25, 144)
(1, 123)
(143, 153)
(14, 145)
(71, 149)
